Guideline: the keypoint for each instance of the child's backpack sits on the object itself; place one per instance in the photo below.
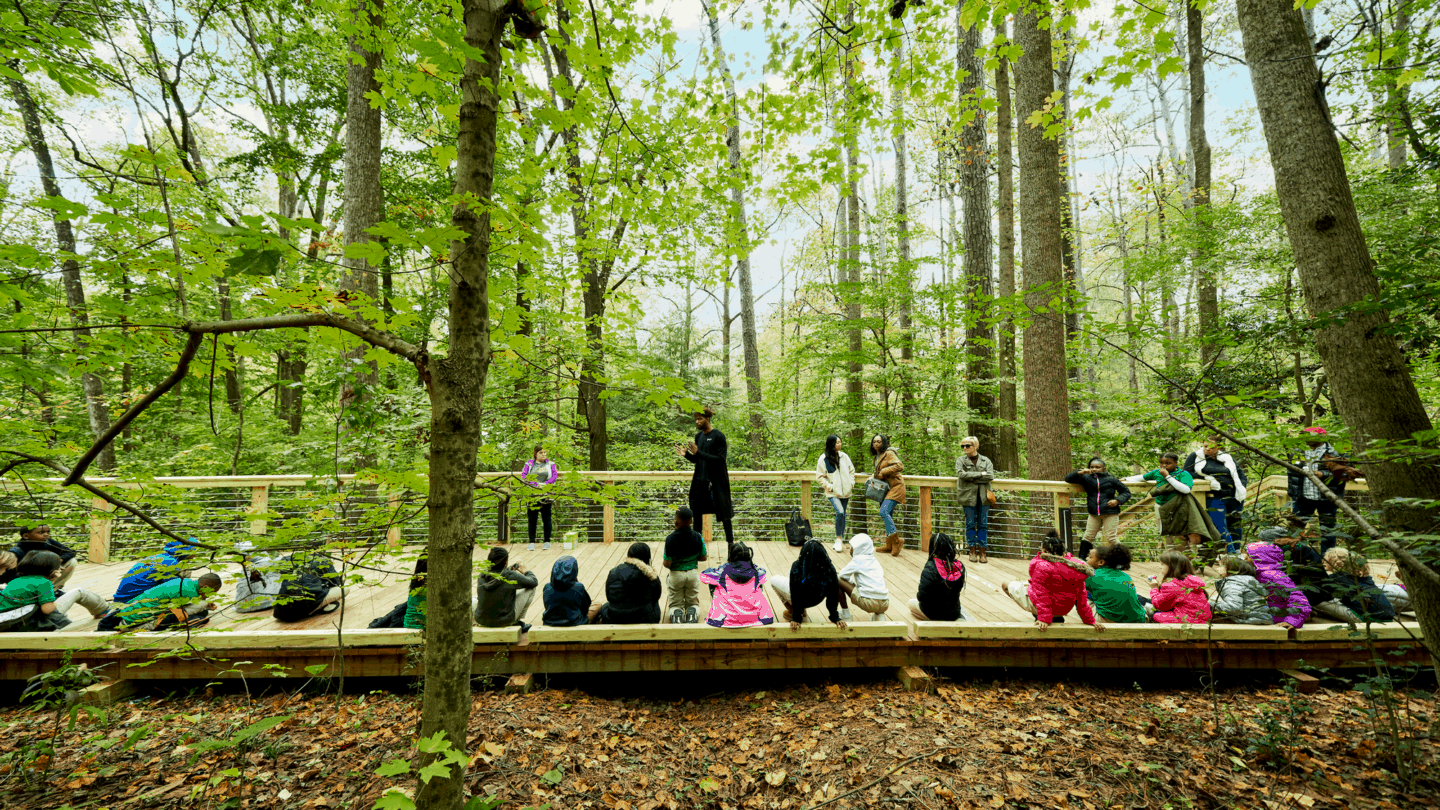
(797, 529)
(304, 588)
(395, 618)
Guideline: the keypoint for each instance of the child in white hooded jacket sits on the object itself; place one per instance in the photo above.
(863, 580)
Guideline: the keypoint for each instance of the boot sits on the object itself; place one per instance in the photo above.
(984, 556)
(973, 554)
(894, 544)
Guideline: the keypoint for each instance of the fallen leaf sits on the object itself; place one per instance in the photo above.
(775, 778)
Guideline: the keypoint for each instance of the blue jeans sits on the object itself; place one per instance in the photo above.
(886, 507)
(977, 526)
(839, 505)
(1217, 508)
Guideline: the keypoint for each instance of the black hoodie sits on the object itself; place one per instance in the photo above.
(633, 590)
(567, 603)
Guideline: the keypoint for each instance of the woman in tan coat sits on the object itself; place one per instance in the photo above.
(888, 469)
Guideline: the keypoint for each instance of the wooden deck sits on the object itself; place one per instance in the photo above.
(1001, 635)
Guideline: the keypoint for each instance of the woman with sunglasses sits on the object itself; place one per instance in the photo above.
(973, 474)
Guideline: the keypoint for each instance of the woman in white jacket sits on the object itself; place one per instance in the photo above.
(1226, 486)
(836, 477)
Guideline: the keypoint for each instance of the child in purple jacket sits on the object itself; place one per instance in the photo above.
(1286, 600)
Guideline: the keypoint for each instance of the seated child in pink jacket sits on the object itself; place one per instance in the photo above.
(1179, 595)
(737, 597)
(1057, 584)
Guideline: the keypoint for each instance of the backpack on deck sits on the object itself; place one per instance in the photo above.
(395, 618)
(304, 589)
(797, 529)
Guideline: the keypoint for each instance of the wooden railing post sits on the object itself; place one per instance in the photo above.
(805, 499)
(608, 519)
(259, 505)
(926, 519)
(392, 533)
(101, 524)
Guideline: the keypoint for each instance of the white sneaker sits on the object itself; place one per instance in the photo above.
(877, 617)
(839, 544)
(532, 547)
(846, 616)
(547, 545)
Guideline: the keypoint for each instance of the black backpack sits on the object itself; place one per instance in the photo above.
(304, 588)
(395, 618)
(797, 529)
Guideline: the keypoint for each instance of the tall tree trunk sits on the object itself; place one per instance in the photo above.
(457, 387)
(90, 382)
(1047, 413)
(979, 291)
(727, 322)
(364, 208)
(1069, 253)
(1007, 450)
(903, 264)
(854, 379)
(748, 338)
(1363, 363)
(1207, 284)
(233, 365)
(1397, 97)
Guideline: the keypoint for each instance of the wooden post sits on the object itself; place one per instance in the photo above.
(805, 499)
(915, 679)
(259, 505)
(1062, 504)
(519, 683)
(926, 520)
(392, 534)
(1304, 684)
(101, 524)
(707, 530)
(609, 520)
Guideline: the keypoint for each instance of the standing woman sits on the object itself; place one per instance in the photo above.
(973, 474)
(1181, 517)
(836, 475)
(1104, 497)
(888, 469)
(1225, 486)
(539, 473)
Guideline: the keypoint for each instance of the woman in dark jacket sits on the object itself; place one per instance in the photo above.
(1105, 496)
(941, 581)
(633, 591)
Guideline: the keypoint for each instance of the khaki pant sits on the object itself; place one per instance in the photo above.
(96, 604)
(684, 589)
(523, 599)
(1019, 591)
(1095, 524)
(869, 605)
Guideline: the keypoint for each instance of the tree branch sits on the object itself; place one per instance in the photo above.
(25, 458)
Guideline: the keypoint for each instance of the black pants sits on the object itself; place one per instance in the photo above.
(542, 511)
(1234, 520)
(726, 522)
(1305, 507)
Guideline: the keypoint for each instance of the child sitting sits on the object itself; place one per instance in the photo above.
(1239, 596)
(1287, 604)
(1111, 588)
(1178, 597)
(179, 602)
(812, 580)
(736, 595)
(863, 580)
(28, 602)
(567, 603)
(1057, 584)
(632, 591)
(1350, 593)
(941, 581)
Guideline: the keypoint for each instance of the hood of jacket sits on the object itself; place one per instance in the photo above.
(181, 551)
(643, 567)
(1191, 583)
(1242, 581)
(741, 572)
(948, 572)
(1266, 556)
(862, 546)
(1067, 560)
(564, 573)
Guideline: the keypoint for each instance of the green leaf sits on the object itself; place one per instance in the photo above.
(552, 776)
(709, 784)
(434, 769)
(394, 767)
(253, 263)
(433, 744)
(394, 800)
(63, 208)
(371, 252)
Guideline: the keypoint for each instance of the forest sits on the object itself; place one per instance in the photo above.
(411, 240)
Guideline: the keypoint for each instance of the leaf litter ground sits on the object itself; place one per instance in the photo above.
(990, 744)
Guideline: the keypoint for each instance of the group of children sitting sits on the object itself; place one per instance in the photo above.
(1280, 580)
(162, 591)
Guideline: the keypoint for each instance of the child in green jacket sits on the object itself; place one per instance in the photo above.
(1110, 587)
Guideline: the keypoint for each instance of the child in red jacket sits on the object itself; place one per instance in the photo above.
(1179, 595)
(1057, 584)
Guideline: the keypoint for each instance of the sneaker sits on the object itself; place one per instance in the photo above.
(839, 544)
(532, 546)
(547, 545)
(846, 616)
(877, 617)
(677, 616)
(524, 628)
(692, 615)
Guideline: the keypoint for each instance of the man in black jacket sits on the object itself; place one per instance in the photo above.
(710, 486)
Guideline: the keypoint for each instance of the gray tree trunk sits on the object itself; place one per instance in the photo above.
(1047, 413)
(1007, 450)
(749, 341)
(91, 384)
(979, 290)
(1206, 277)
(850, 271)
(903, 264)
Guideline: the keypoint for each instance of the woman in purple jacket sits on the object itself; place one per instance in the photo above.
(539, 473)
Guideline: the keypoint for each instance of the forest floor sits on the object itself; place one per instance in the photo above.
(971, 744)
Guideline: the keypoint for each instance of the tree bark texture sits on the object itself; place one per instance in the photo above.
(1069, 251)
(850, 268)
(979, 290)
(364, 208)
(1363, 363)
(1206, 277)
(1007, 449)
(903, 263)
(457, 386)
(91, 384)
(749, 341)
(1047, 412)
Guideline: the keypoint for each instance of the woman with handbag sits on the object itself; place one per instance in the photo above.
(973, 474)
(836, 475)
(887, 487)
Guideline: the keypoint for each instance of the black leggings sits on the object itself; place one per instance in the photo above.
(541, 510)
(726, 522)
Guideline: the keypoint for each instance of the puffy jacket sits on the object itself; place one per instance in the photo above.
(567, 603)
(1241, 599)
(1361, 595)
(1115, 597)
(1181, 601)
(737, 597)
(940, 587)
(1313, 459)
(633, 593)
(1226, 481)
(1057, 584)
(495, 597)
(153, 570)
(841, 481)
(888, 469)
(972, 479)
(1287, 603)
(1099, 491)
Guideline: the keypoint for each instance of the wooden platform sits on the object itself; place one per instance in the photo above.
(1001, 634)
